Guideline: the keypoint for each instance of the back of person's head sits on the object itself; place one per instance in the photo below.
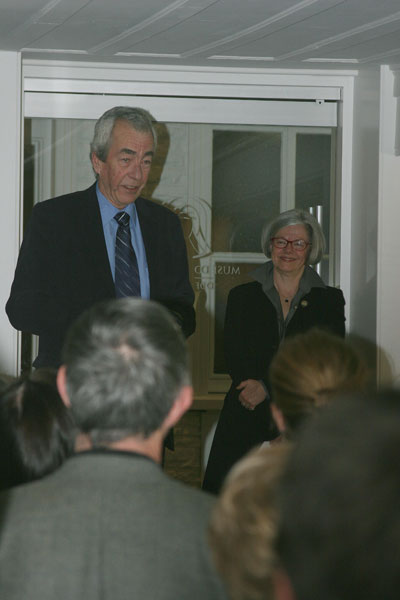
(339, 536)
(244, 522)
(311, 368)
(36, 428)
(126, 361)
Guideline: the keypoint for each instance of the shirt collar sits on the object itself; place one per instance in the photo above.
(264, 274)
(108, 210)
(310, 279)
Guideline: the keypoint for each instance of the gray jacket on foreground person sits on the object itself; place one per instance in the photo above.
(109, 524)
(106, 525)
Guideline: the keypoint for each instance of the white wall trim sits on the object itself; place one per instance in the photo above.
(11, 178)
(396, 93)
(190, 110)
(102, 70)
(71, 77)
(344, 189)
(388, 268)
(63, 77)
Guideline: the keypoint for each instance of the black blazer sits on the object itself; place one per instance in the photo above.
(251, 340)
(251, 326)
(63, 268)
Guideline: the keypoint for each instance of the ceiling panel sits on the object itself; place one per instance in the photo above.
(14, 14)
(370, 48)
(249, 33)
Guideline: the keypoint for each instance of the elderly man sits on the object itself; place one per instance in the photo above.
(340, 512)
(101, 243)
(109, 524)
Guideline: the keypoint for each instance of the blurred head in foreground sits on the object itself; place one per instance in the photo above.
(244, 522)
(5, 380)
(308, 371)
(339, 534)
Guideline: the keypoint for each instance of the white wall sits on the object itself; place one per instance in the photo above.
(10, 153)
(364, 210)
(388, 288)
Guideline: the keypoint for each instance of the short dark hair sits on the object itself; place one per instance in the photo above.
(339, 534)
(36, 429)
(126, 361)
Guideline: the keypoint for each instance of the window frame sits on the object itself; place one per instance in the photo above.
(83, 91)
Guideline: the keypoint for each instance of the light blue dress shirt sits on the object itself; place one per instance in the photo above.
(110, 226)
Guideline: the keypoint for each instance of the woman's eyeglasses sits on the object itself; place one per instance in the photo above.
(298, 245)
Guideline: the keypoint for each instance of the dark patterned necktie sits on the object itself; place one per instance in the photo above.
(127, 280)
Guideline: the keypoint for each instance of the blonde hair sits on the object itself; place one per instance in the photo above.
(243, 523)
(309, 369)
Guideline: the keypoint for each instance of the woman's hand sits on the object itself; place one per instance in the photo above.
(252, 393)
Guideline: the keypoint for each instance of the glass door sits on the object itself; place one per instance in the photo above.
(224, 181)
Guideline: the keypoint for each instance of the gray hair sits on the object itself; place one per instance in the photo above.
(126, 361)
(138, 118)
(296, 217)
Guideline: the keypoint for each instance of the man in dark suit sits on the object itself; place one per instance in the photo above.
(109, 524)
(69, 253)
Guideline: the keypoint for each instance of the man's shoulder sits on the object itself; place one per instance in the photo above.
(66, 201)
(246, 290)
(328, 294)
(96, 467)
(143, 487)
(152, 208)
(181, 496)
(69, 516)
(192, 498)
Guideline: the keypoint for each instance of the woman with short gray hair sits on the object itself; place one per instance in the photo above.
(316, 246)
(286, 297)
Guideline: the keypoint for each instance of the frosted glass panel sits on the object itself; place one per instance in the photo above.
(246, 175)
(313, 183)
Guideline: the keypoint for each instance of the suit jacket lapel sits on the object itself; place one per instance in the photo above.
(93, 236)
(150, 240)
